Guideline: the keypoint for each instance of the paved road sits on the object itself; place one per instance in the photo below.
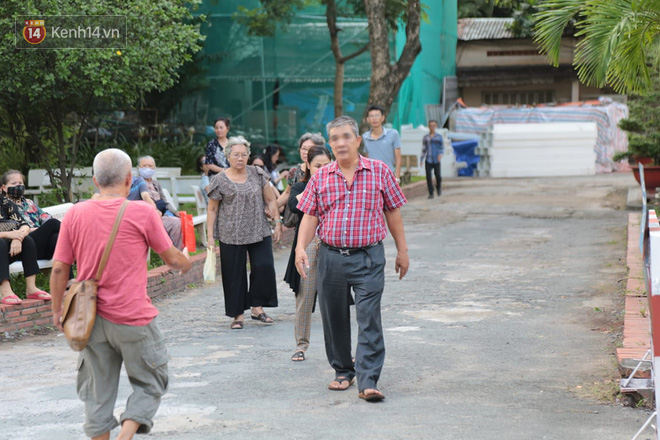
(503, 329)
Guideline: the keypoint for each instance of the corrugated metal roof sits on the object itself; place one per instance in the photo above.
(484, 29)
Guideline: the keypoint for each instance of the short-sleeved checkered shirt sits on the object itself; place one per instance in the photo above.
(352, 216)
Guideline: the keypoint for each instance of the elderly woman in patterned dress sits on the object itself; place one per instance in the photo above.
(16, 244)
(240, 199)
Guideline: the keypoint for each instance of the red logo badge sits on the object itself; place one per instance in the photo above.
(34, 31)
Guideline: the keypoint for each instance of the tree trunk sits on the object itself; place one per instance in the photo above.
(339, 89)
(386, 78)
(340, 60)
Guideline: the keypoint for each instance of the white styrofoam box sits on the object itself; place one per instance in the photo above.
(411, 144)
(546, 149)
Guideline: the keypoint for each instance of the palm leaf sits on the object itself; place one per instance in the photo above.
(617, 36)
(602, 29)
(550, 23)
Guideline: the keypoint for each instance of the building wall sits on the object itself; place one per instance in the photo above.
(518, 53)
(500, 53)
(474, 96)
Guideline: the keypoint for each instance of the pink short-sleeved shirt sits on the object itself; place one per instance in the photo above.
(122, 292)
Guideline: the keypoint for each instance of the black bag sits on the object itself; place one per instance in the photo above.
(161, 205)
(289, 219)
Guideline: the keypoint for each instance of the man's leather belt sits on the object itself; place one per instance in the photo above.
(350, 251)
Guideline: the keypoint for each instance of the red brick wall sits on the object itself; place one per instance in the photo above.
(160, 281)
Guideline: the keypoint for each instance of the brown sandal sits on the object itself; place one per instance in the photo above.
(237, 325)
(374, 396)
(263, 318)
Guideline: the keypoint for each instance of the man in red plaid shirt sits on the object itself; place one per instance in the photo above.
(349, 201)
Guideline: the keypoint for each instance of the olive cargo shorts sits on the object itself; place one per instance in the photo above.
(143, 352)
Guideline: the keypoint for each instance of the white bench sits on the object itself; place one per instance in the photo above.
(57, 212)
(38, 182)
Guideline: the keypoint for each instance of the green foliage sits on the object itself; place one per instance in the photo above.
(643, 121)
(523, 18)
(17, 282)
(615, 37)
(522, 12)
(49, 95)
(263, 21)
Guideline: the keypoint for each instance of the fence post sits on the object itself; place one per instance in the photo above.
(652, 279)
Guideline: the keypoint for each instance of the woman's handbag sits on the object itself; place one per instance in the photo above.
(289, 218)
(79, 305)
(8, 225)
(209, 266)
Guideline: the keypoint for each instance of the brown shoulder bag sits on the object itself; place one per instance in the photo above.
(79, 304)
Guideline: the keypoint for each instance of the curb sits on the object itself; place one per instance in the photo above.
(637, 323)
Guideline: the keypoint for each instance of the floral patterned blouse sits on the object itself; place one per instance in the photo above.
(9, 211)
(32, 214)
(215, 155)
(295, 175)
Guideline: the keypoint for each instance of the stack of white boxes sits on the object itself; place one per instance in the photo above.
(536, 150)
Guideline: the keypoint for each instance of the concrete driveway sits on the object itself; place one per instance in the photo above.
(505, 328)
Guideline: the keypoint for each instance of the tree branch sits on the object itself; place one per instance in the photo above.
(413, 46)
(357, 53)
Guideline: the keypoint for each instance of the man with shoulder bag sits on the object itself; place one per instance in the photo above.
(124, 328)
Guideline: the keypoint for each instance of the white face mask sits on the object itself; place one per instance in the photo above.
(146, 173)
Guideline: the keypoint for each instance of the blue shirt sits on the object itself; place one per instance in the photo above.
(138, 186)
(432, 147)
(383, 147)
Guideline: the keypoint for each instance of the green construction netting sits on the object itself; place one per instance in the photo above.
(276, 88)
(437, 60)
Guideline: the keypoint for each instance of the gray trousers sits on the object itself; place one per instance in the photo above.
(364, 272)
(142, 351)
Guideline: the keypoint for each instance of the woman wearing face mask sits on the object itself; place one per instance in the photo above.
(44, 230)
(305, 289)
(16, 244)
(216, 160)
(152, 192)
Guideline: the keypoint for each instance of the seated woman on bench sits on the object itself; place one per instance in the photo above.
(16, 244)
(147, 188)
(44, 229)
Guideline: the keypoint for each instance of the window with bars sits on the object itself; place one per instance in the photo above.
(523, 97)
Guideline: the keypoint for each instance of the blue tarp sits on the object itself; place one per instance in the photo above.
(465, 152)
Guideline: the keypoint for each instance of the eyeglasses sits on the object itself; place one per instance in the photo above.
(237, 155)
(304, 149)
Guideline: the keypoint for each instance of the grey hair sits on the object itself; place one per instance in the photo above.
(236, 140)
(343, 120)
(145, 157)
(317, 138)
(111, 167)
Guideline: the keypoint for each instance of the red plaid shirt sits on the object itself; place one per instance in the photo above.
(352, 216)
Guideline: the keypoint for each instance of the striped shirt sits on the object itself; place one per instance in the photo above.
(352, 216)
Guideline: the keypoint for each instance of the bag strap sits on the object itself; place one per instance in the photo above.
(111, 241)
